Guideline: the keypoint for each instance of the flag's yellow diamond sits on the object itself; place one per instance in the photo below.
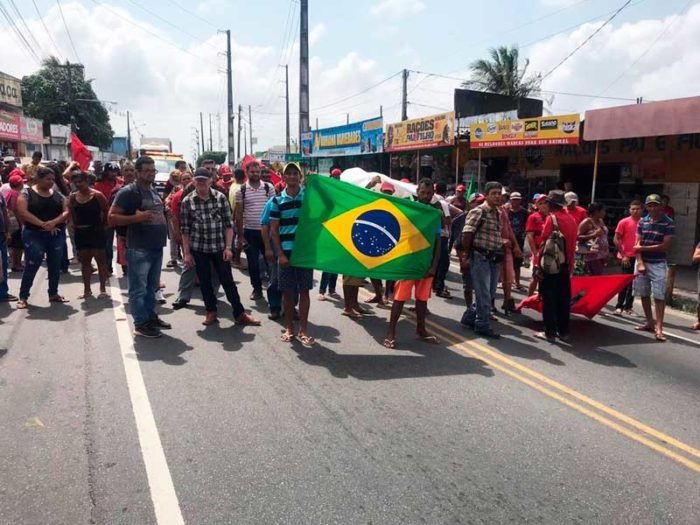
(376, 233)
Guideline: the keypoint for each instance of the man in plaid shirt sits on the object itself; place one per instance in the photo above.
(206, 224)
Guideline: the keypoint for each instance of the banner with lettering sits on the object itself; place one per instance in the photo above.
(426, 132)
(357, 138)
(540, 131)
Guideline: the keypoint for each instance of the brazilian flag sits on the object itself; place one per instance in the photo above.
(354, 231)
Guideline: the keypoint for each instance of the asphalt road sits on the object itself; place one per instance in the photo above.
(229, 425)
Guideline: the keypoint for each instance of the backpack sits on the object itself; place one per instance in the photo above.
(553, 251)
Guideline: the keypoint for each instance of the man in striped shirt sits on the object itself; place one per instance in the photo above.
(284, 218)
(250, 201)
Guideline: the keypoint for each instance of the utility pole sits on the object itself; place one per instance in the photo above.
(381, 111)
(303, 68)
(220, 144)
(286, 82)
(128, 137)
(250, 124)
(245, 144)
(347, 118)
(69, 92)
(239, 130)
(201, 128)
(316, 122)
(404, 96)
(229, 104)
(211, 143)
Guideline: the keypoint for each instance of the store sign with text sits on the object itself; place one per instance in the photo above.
(357, 138)
(540, 131)
(10, 90)
(434, 131)
(9, 126)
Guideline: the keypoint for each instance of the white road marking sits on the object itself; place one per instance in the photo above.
(641, 320)
(165, 502)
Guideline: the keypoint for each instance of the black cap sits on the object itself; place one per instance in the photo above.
(202, 173)
(556, 197)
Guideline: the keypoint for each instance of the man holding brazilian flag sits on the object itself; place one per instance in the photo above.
(346, 229)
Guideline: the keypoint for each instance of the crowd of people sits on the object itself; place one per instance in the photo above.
(211, 216)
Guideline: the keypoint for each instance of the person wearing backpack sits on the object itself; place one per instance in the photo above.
(251, 199)
(555, 267)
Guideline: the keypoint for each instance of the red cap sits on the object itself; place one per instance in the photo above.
(225, 169)
(14, 180)
(480, 199)
(541, 198)
(461, 187)
(336, 171)
(405, 180)
(387, 186)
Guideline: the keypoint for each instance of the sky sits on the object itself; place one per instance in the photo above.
(164, 60)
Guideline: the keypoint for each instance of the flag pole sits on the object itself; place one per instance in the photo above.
(595, 171)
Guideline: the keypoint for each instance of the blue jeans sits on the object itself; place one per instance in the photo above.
(485, 274)
(443, 265)
(253, 251)
(36, 244)
(4, 291)
(144, 279)
(328, 282)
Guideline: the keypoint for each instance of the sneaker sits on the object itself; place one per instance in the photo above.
(256, 295)
(177, 305)
(545, 337)
(618, 312)
(148, 330)
(8, 297)
(160, 297)
(157, 322)
(171, 264)
(274, 315)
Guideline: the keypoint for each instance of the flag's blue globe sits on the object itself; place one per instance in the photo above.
(375, 233)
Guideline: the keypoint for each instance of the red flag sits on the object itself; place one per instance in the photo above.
(79, 152)
(588, 294)
(247, 160)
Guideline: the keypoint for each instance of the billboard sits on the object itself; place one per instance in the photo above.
(469, 103)
(9, 126)
(31, 130)
(433, 131)
(10, 90)
(541, 131)
(358, 138)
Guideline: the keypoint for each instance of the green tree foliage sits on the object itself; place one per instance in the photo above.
(47, 97)
(501, 73)
(218, 156)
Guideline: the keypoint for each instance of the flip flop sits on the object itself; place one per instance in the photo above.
(247, 320)
(390, 343)
(286, 337)
(644, 328)
(374, 300)
(22, 304)
(307, 340)
(660, 337)
(103, 295)
(85, 295)
(58, 299)
(432, 339)
(353, 314)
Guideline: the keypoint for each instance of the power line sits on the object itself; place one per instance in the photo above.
(567, 57)
(644, 53)
(20, 36)
(152, 33)
(70, 38)
(174, 26)
(46, 29)
(358, 93)
(22, 21)
(192, 13)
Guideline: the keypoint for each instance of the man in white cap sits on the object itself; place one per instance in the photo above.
(578, 213)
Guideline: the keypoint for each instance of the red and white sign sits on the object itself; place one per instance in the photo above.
(9, 126)
(31, 130)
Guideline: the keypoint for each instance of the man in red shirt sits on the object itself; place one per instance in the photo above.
(625, 237)
(666, 209)
(572, 208)
(555, 289)
(533, 232)
(106, 185)
(225, 177)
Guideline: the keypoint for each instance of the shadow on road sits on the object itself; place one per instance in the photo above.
(166, 349)
(232, 338)
(53, 312)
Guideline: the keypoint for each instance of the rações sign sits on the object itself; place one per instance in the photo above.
(10, 90)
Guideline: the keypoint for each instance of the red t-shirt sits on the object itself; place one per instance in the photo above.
(668, 211)
(175, 203)
(106, 187)
(578, 213)
(568, 228)
(627, 230)
(226, 184)
(534, 224)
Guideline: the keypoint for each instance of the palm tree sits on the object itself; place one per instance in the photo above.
(501, 74)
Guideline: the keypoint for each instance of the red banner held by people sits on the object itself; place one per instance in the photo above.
(588, 294)
(79, 152)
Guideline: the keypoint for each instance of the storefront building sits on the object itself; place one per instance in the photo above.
(10, 113)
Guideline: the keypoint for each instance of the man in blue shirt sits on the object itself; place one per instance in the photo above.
(654, 235)
(284, 218)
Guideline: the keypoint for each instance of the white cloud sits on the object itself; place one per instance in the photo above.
(560, 3)
(397, 7)
(652, 58)
(316, 33)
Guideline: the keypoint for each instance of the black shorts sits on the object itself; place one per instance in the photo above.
(90, 239)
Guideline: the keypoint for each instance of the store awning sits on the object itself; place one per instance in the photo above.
(652, 119)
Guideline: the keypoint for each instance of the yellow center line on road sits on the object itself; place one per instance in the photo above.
(502, 363)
